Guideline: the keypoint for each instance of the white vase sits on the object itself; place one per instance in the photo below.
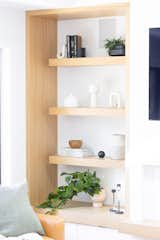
(93, 95)
(98, 199)
(117, 150)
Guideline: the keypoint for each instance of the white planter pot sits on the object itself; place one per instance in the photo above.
(98, 199)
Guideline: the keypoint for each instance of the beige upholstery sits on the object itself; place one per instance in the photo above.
(53, 226)
(47, 238)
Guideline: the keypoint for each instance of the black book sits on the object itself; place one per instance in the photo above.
(72, 46)
(77, 44)
(73, 42)
(68, 46)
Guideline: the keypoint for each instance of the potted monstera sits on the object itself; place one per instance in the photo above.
(115, 46)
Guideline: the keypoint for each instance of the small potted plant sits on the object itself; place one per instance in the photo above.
(76, 182)
(115, 46)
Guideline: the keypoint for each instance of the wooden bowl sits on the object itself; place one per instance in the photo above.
(75, 143)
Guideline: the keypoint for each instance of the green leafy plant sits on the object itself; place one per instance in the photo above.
(77, 182)
(110, 44)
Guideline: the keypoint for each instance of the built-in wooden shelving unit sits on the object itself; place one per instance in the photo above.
(86, 162)
(108, 112)
(42, 93)
(86, 61)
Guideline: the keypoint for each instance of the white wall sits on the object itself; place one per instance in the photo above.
(12, 38)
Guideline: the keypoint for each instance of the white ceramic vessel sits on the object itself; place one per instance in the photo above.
(98, 199)
(93, 95)
(71, 101)
(117, 150)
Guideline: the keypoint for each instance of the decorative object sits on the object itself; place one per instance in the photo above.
(115, 46)
(77, 152)
(119, 210)
(117, 150)
(93, 89)
(75, 143)
(113, 209)
(81, 52)
(98, 199)
(71, 101)
(62, 54)
(77, 182)
(101, 154)
(17, 215)
(73, 43)
(115, 100)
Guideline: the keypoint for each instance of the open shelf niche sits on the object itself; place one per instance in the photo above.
(43, 71)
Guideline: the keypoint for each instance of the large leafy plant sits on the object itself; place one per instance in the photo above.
(77, 182)
(112, 43)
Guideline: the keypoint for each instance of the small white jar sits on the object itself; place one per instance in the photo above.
(117, 150)
(71, 101)
(98, 199)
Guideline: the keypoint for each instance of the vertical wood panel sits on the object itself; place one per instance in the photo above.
(41, 85)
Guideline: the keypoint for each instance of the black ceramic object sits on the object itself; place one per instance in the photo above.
(118, 50)
(81, 52)
(101, 154)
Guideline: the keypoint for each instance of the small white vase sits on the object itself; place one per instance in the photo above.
(98, 199)
(117, 150)
(93, 95)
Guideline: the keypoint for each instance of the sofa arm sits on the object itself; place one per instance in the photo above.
(53, 226)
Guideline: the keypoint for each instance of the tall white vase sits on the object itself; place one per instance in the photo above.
(117, 150)
(93, 95)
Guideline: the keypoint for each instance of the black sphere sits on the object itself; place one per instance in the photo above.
(101, 154)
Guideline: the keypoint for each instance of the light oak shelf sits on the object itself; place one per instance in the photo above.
(86, 61)
(107, 10)
(88, 215)
(84, 213)
(108, 112)
(87, 162)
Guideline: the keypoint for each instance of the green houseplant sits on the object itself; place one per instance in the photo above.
(76, 182)
(115, 46)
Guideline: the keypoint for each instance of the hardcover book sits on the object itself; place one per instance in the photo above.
(73, 42)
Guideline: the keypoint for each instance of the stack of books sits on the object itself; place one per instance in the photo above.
(73, 43)
(76, 152)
